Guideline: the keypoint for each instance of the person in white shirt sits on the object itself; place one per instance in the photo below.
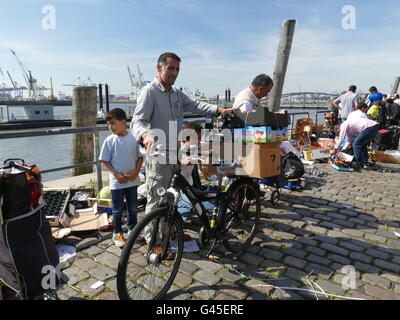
(360, 113)
(248, 99)
(346, 103)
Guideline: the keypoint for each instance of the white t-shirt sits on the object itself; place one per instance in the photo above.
(122, 153)
(358, 114)
(347, 103)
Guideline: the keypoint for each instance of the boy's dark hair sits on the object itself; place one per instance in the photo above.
(353, 88)
(194, 126)
(162, 59)
(117, 114)
(262, 80)
(373, 89)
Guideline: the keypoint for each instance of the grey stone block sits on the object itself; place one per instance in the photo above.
(102, 273)
(335, 249)
(188, 268)
(318, 259)
(298, 263)
(377, 281)
(209, 266)
(360, 257)
(206, 277)
(387, 265)
(73, 275)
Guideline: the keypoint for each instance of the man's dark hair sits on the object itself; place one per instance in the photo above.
(162, 60)
(353, 88)
(117, 114)
(373, 89)
(397, 96)
(362, 105)
(389, 101)
(262, 80)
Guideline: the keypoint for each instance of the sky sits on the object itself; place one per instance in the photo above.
(223, 43)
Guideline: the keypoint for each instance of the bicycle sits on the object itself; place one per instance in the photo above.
(147, 272)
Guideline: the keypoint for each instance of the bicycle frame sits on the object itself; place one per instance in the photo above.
(179, 183)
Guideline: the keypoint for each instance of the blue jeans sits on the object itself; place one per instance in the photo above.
(117, 196)
(360, 144)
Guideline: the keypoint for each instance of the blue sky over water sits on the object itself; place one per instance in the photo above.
(222, 43)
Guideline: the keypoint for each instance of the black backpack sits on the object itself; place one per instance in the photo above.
(383, 140)
(292, 166)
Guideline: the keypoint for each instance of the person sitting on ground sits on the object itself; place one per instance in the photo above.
(188, 167)
(359, 133)
(121, 155)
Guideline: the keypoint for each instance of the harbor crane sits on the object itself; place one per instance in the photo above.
(35, 90)
(136, 85)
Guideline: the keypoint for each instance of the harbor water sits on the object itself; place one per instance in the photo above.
(49, 152)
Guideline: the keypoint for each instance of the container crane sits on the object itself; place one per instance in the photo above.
(136, 86)
(35, 91)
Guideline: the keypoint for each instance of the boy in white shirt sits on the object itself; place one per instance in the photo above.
(120, 154)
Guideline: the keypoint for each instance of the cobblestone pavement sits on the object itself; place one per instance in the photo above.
(340, 219)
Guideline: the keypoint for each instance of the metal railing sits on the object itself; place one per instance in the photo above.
(51, 132)
(318, 112)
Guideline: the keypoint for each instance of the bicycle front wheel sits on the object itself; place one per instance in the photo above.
(150, 259)
(240, 215)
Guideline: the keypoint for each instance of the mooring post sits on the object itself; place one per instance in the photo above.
(282, 59)
(395, 86)
(84, 112)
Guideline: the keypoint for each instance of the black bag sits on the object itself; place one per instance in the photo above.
(20, 188)
(28, 244)
(292, 166)
(383, 140)
(395, 139)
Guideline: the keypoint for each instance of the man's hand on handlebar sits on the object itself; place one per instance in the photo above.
(228, 111)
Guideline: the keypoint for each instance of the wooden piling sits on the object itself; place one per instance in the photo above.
(282, 59)
(84, 112)
(395, 86)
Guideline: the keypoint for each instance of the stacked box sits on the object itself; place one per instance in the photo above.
(248, 133)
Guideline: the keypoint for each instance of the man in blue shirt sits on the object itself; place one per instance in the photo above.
(374, 96)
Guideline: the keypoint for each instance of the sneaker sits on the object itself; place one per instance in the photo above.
(119, 239)
(169, 256)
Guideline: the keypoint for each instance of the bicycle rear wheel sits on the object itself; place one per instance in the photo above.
(240, 215)
(147, 267)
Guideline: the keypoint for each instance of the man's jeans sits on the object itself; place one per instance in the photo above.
(361, 142)
(118, 195)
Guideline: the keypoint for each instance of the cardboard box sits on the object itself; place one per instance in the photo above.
(318, 129)
(381, 156)
(317, 153)
(88, 219)
(325, 142)
(248, 133)
(262, 161)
